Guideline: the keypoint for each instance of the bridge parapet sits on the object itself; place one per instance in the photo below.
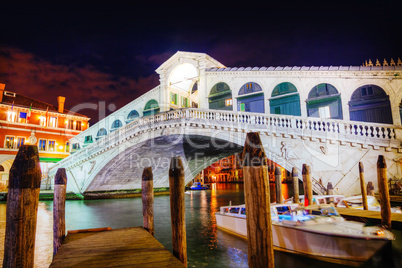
(355, 133)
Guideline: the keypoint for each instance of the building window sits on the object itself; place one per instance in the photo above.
(228, 102)
(22, 118)
(9, 142)
(185, 102)
(52, 146)
(20, 142)
(42, 120)
(70, 124)
(173, 98)
(53, 121)
(42, 145)
(11, 116)
(79, 125)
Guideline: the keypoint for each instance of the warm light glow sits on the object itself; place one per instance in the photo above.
(183, 77)
(61, 147)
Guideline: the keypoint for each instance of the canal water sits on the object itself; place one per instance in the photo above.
(207, 245)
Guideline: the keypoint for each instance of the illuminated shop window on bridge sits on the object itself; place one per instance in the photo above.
(116, 124)
(285, 100)
(251, 98)
(370, 103)
(101, 132)
(132, 115)
(324, 101)
(152, 107)
(220, 92)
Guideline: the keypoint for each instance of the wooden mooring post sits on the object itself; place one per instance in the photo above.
(22, 208)
(308, 190)
(148, 200)
(278, 185)
(59, 212)
(257, 199)
(177, 209)
(363, 186)
(295, 176)
(384, 192)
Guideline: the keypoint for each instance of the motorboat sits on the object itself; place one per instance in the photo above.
(316, 231)
(198, 186)
(356, 202)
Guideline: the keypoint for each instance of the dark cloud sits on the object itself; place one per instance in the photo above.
(32, 76)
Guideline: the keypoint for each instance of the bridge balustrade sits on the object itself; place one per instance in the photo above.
(307, 127)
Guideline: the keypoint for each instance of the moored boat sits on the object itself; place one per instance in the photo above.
(317, 231)
(198, 186)
(356, 202)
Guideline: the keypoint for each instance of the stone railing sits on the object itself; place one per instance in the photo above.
(353, 132)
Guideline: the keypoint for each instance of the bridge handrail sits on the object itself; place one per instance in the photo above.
(296, 125)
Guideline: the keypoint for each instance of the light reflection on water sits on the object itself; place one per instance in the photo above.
(208, 246)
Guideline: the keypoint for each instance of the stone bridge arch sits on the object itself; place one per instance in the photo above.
(332, 148)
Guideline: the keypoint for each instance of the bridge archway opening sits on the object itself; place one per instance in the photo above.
(132, 115)
(4, 173)
(116, 124)
(324, 101)
(151, 107)
(370, 103)
(285, 100)
(220, 97)
(101, 132)
(251, 98)
(182, 84)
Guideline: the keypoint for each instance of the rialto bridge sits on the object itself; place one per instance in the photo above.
(327, 117)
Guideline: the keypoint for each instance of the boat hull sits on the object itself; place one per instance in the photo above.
(337, 249)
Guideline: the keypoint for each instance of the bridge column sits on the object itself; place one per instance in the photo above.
(202, 88)
(164, 94)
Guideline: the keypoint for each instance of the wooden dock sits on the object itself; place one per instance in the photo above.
(369, 215)
(127, 247)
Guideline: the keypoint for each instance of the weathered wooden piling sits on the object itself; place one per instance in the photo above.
(308, 190)
(278, 185)
(370, 188)
(177, 209)
(22, 208)
(384, 192)
(295, 177)
(257, 199)
(330, 191)
(148, 200)
(363, 186)
(59, 205)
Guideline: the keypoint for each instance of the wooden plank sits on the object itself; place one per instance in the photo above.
(127, 247)
(364, 215)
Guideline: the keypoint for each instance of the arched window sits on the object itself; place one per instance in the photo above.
(370, 103)
(1, 168)
(101, 132)
(285, 100)
(116, 124)
(220, 97)
(324, 101)
(132, 115)
(251, 98)
(152, 107)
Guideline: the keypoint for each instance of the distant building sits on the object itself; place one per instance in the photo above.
(24, 120)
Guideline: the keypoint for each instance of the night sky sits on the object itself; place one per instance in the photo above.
(98, 53)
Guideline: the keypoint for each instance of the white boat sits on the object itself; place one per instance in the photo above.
(317, 231)
(356, 202)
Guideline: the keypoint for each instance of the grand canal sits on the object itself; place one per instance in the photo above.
(207, 246)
